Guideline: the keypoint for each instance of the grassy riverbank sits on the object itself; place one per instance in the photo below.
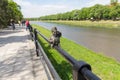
(104, 67)
(103, 24)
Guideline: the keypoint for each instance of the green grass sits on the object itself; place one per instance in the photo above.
(103, 24)
(104, 67)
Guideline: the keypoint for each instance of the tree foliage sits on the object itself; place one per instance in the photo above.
(96, 12)
(9, 10)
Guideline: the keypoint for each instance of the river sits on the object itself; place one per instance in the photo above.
(103, 41)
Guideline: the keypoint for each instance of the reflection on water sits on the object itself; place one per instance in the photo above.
(106, 41)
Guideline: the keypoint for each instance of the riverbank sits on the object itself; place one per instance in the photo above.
(106, 68)
(87, 23)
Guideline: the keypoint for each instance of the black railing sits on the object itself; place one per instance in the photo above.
(81, 70)
(44, 59)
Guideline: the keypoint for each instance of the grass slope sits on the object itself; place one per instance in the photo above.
(104, 67)
(103, 24)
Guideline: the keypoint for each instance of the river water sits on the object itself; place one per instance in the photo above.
(104, 41)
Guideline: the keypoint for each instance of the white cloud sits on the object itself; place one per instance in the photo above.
(93, 2)
(40, 10)
(22, 2)
(35, 10)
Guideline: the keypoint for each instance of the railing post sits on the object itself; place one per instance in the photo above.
(36, 38)
(77, 75)
(31, 32)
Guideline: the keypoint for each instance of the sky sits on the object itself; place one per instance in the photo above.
(37, 8)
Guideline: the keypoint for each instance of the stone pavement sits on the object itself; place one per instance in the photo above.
(18, 60)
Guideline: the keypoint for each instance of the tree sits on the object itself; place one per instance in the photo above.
(9, 10)
(3, 17)
(115, 12)
(106, 11)
(14, 11)
(96, 12)
(84, 13)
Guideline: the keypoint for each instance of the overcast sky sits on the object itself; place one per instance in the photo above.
(37, 8)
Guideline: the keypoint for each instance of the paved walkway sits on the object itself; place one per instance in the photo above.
(18, 60)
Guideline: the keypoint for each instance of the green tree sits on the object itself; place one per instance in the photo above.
(96, 12)
(84, 13)
(74, 15)
(14, 11)
(106, 11)
(3, 15)
(9, 10)
(115, 12)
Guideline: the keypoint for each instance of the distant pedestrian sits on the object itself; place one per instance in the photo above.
(23, 22)
(13, 24)
(27, 25)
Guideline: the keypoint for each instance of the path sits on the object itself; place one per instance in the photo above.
(18, 60)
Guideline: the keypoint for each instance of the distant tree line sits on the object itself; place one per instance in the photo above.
(32, 19)
(96, 12)
(9, 10)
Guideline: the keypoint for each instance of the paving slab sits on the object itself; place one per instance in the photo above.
(18, 59)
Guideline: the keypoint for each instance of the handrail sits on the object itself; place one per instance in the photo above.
(81, 70)
(40, 52)
(51, 68)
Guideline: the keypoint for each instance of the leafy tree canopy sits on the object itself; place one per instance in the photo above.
(9, 10)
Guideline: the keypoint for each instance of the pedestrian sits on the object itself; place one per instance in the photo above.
(13, 24)
(23, 22)
(27, 24)
(55, 38)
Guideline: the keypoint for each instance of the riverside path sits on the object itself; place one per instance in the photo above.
(18, 59)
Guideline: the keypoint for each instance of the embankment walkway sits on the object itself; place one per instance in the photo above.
(18, 59)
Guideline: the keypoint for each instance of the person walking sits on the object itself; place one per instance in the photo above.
(27, 24)
(13, 24)
(23, 22)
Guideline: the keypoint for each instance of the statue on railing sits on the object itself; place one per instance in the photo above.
(55, 38)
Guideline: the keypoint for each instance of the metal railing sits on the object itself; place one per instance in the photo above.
(81, 70)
